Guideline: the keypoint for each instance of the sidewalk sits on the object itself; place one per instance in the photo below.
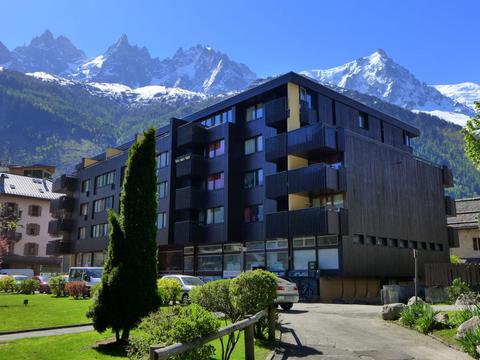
(39, 333)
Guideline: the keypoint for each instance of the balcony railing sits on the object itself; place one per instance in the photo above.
(308, 116)
(312, 139)
(190, 165)
(62, 205)
(12, 235)
(59, 226)
(188, 198)
(307, 222)
(191, 134)
(59, 247)
(64, 183)
(315, 179)
(276, 112)
(187, 232)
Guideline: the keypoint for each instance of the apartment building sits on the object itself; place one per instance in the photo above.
(466, 223)
(290, 176)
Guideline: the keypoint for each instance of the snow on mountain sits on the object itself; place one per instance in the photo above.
(50, 78)
(464, 93)
(46, 53)
(378, 75)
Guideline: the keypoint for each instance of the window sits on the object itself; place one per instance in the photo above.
(253, 213)
(302, 242)
(432, 246)
(221, 118)
(327, 240)
(328, 200)
(328, 259)
(33, 229)
(370, 240)
(381, 241)
(277, 244)
(85, 186)
(475, 244)
(255, 246)
(105, 179)
(254, 261)
(162, 220)
(34, 210)
(30, 249)
(301, 258)
(170, 260)
(232, 262)
(253, 179)
(358, 239)
(406, 138)
(99, 230)
(253, 145)
(232, 248)
(393, 242)
(363, 121)
(162, 160)
(215, 181)
(254, 112)
(98, 258)
(305, 97)
(403, 244)
(207, 260)
(188, 264)
(214, 215)
(83, 209)
(82, 233)
(412, 245)
(102, 204)
(215, 149)
(162, 189)
(277, 260)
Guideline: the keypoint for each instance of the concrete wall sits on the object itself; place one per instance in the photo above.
(465, 250)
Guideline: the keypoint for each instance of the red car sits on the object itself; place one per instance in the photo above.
(43, 284)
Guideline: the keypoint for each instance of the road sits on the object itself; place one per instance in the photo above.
(352, 332)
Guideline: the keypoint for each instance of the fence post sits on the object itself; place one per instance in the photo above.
(271, 323)
(249, 343)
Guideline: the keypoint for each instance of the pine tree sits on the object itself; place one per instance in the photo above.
(129, 289)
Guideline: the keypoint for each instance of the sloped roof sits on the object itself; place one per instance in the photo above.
(26, 186)
(468, 211)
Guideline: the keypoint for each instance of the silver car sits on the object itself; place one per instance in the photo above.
(287, 294)
(187, 283)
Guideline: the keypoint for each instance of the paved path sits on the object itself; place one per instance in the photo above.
(352, 332)
(71, 330)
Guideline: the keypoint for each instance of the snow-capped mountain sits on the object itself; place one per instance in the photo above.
(378, 75)
(201, 68)
(49, 54)
(464, 93)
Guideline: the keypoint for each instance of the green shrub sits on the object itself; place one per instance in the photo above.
(28, 286)
(470, 342)
(459, 317)
(171, 325)
(426, 321)
(457, 288)
(454, 259)
(57, 285)
(94, 289)
(7, 284)
(76, 289)
(169, 290)
(411, 313)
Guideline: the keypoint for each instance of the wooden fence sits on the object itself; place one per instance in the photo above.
(444, 274)
(157, 352)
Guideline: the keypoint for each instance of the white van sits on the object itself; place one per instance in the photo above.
(91, 275)
(26, 272)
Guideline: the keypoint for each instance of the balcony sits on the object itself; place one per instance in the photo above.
(188, 198)
(190, 165)
(308, 116)
(191, 134)
(307, 222)
(453, 240)
(59, 247)
(59, 226)
(304, 141)
(315, 179)
(276, 113)
(447, 177)
(12, 235)
(62, 205)
(187, 232)
(64, 183)
(450, 206)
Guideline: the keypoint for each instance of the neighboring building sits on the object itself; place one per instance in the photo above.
(28, 199)
(37, 170)
(467, 225)
(288, 175)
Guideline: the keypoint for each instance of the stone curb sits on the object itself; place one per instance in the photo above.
(43, 329)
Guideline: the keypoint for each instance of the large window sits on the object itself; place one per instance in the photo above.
(221, 118)
(253, 213)
(162, 220)
(328, 200)
(305, 97)
(162, 189)
(277, 260)
(105, 179)
(33, 229)
(98, 258)
(254, 112)
(212, 216)
(215, 149)
(303, 252)
(162, 160)
(83, 209)
(82, 233)
(103, 204)
(34, 210)
(85, 185)
(232, 262)
(253, 178)
(253, 145)
(30, 249)
(215, 181)
(254, 260)
(363, 121)
(209, 258)
(170, 260)
(328, 259)
(99, 230)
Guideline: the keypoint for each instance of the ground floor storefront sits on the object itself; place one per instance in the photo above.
(39, 264)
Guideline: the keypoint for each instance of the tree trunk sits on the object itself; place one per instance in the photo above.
(125, 334)
(117, 335)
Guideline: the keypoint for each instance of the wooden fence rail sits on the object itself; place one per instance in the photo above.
(157, 352)
(444, 274)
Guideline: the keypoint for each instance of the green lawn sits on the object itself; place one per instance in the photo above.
(79, 346)
(41, 311)
(448, 335)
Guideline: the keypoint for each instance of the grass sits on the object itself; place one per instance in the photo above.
(79, 347)
(447, 335)
(41, 311)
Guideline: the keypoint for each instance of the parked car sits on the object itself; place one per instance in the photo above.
(91, 275)
(287, 294)
(43, 287)
(187, 283)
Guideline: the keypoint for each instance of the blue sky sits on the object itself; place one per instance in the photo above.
(435, 39)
